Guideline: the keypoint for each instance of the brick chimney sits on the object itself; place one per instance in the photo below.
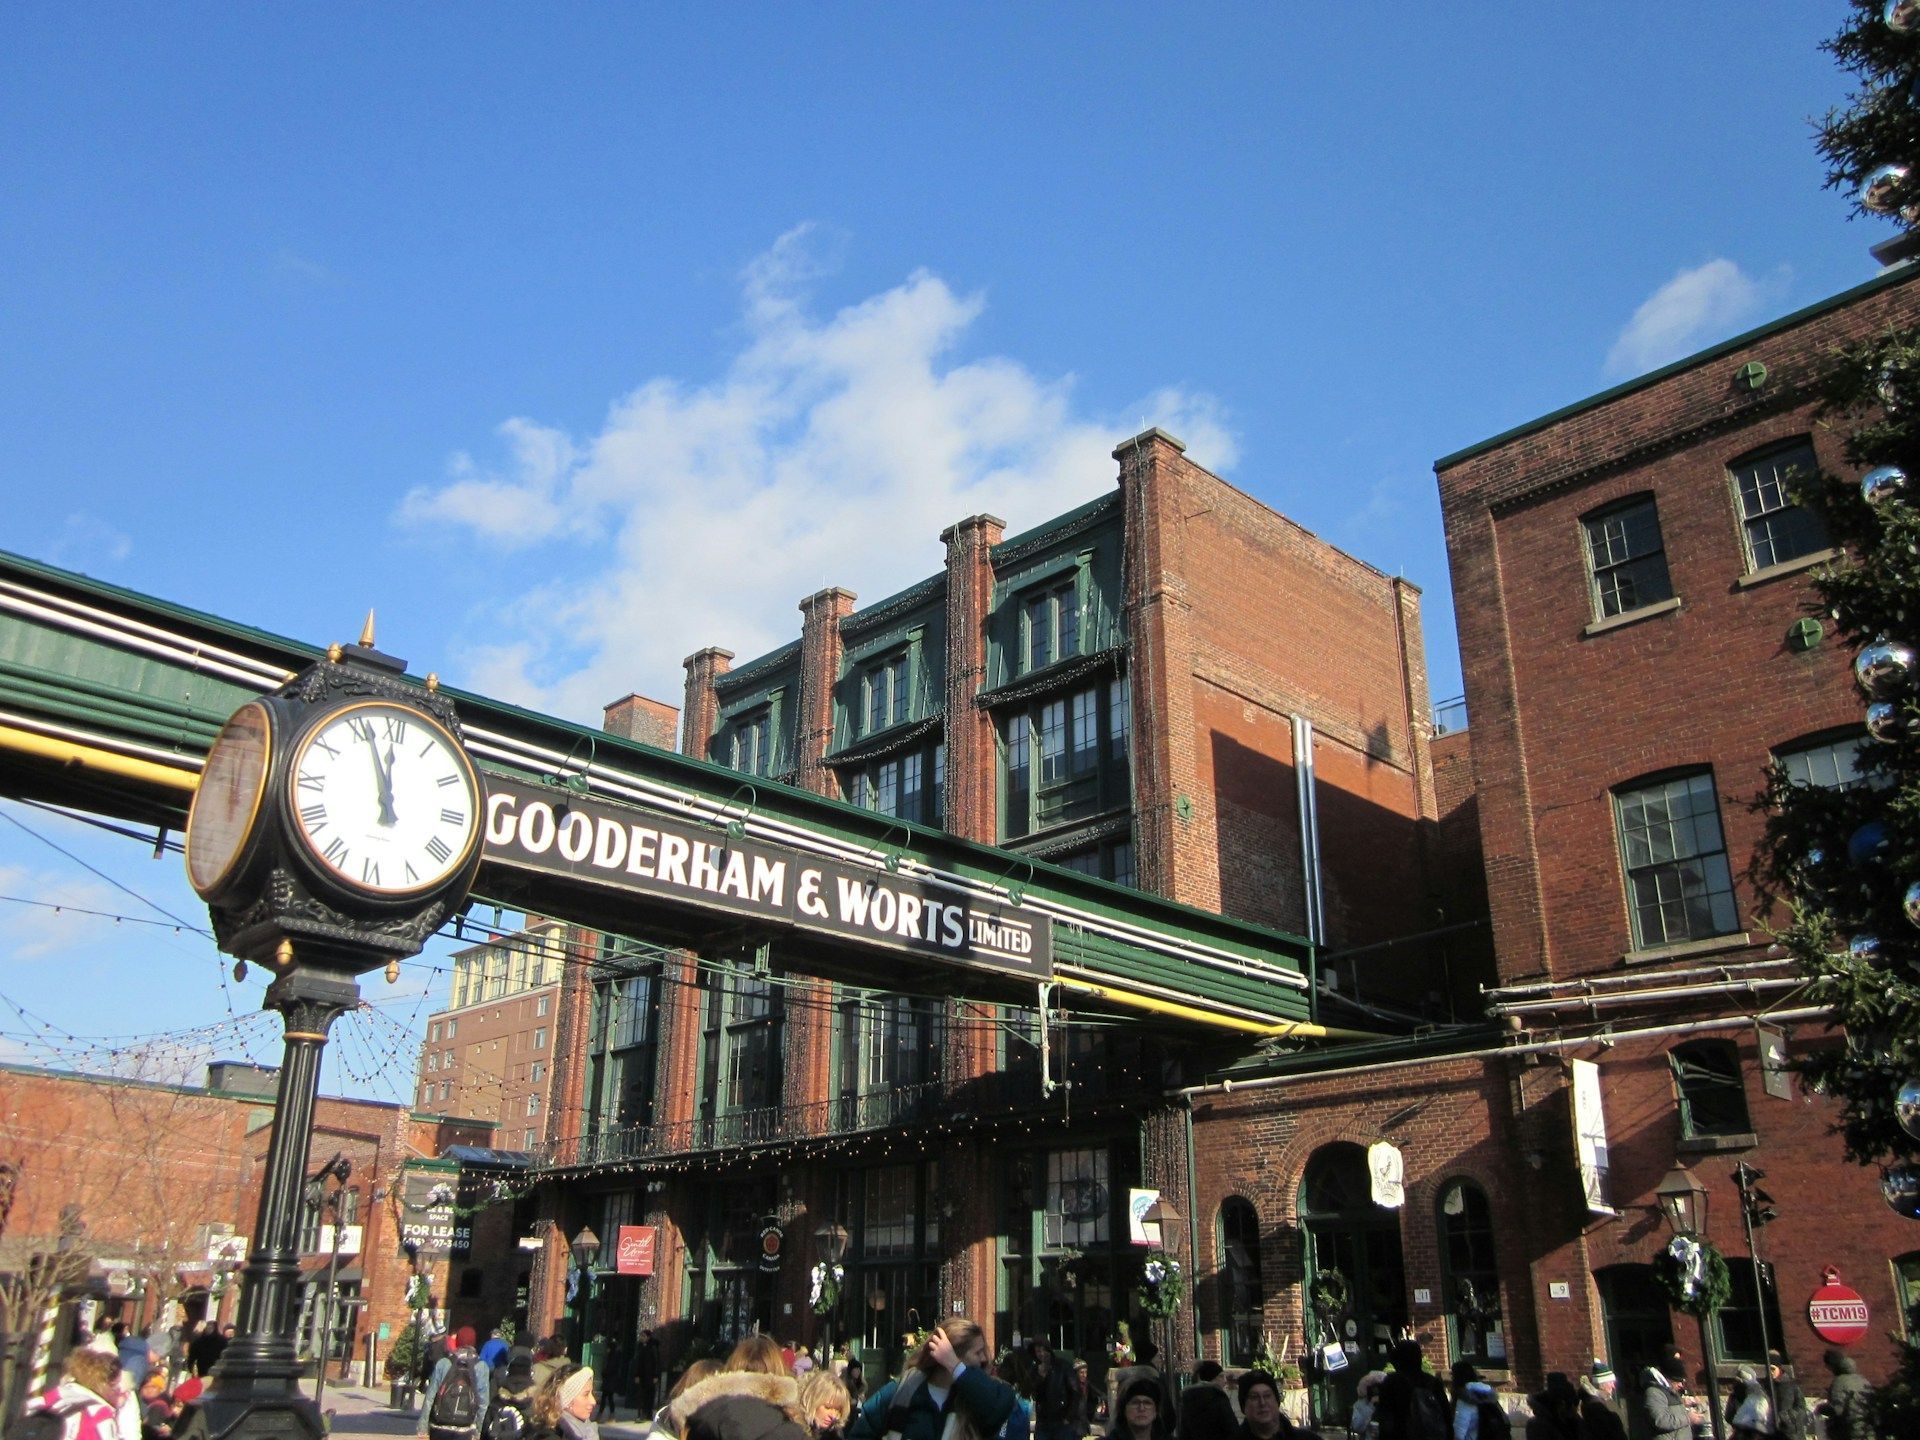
(651, 722)
(968, 804)
(703, 706)
(820, 651)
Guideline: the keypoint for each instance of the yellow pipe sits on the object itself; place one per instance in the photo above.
(68, 752)
(1302, 1029)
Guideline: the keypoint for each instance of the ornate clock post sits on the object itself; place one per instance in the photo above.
(335, 828)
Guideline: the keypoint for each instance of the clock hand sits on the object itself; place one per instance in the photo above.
(383, 784)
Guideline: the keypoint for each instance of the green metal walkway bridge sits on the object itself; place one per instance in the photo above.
(109, 700)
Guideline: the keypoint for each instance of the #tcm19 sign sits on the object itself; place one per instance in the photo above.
(1837, 1312)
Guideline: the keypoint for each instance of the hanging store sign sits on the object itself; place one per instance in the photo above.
(634, 1255)
(1386, 1175)
(1140, 1230)
(1590, 1136)
(622, 848)
(427, 1218)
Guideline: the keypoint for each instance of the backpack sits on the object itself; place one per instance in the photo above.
(1427, 1417)
(47, 1423)
(507, 1422)
(456, 1406)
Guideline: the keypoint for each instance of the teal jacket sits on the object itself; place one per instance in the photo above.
(986, 1401)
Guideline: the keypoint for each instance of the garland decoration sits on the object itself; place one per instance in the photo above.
(1692, 1273)
(1161, 1285)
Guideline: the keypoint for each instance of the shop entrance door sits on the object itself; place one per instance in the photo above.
(1353, 1254)
(1639, 1324)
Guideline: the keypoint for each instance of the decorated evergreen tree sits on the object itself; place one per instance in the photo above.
(1843, 864)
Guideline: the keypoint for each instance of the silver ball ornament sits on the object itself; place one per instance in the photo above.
(1864, 947)
(1878, 189)
(1883, 668)
(1910, 902)
(1885, 723)
(1900, 1186)
(1901, 16)
(1906, 1107)
(1884, 483)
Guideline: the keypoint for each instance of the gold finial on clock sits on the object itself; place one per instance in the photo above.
(366, 633)
(433, 681)
(335, 651)
(283, 955)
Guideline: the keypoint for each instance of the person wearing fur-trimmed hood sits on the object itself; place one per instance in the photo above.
(754, 1398)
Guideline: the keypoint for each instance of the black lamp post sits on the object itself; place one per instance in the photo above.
(585, 1247)
(832, 1240)
(1683, 1200)
(340, 1169)
(1162, 1215)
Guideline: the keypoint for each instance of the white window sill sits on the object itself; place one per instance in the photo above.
(1786, 567)
(1713, 945)
(1718, 1144)
(1633, 617)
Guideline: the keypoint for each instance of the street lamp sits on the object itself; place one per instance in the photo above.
(585, 1247)
(1683, 1200)
(1160, 1215)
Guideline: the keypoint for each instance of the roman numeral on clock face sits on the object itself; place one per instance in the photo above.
(313, 816)
(336, 851)
(453, 817)
(439, 850)
(370, 871)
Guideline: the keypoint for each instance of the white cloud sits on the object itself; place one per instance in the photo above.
(86, 541)
(1694, 309)
(830, 451)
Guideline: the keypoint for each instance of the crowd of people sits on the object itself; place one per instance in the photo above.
(951, 1387)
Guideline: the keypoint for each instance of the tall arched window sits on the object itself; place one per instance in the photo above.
(1243, 1296)
(1471, 1275)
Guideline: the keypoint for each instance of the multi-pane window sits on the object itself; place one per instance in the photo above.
(751, 747)
(889, 1212)
(1743, 1335)
(1775, 528)
(742, 1056)
(884, 697)
(1679, 887)
(533, 1104)
(1710, 1088)
(1626, 557)
(1472, 1274)
(1077, 1198)
(1050, 625)
(1107, 860)
(1832, 765)
(1244, 1291)
(1066, 758)
(908, 786)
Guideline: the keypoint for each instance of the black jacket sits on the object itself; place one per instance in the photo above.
(737, 1405)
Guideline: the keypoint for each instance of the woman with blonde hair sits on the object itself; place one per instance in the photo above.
(754, 1398)
(824, 1403)
(947, 1379)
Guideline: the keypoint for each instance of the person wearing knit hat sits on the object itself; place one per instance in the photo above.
(1138, 1414)
(1261, 1415)
(458, 1390)
(1601, 1416)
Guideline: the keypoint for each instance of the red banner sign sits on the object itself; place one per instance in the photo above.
(1837, 1312)
(635, 1253)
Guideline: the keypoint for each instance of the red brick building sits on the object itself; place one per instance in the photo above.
(165, 1180)
(1630, 585)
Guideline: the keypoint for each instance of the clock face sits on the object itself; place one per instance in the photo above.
(228, 798)
(384, 798)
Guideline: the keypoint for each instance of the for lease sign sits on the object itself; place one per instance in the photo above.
(621, 847)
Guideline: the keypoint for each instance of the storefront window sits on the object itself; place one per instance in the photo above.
(1475, 1330)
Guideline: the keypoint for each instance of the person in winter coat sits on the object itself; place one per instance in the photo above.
(1556, 1411)
(1661, 1412)
(1790, 1402)
(1408, 1394)
(754, 1398)
(1140, 1417)
(1600, 1416)
(824, 1403)
(1477, 1414)
(1205, 1414)
(947, 1374)
(1849, 1407)
(89, 1396)
(1748, 1414)
(460, 1356)
(1261, 1417)
(663, 1421)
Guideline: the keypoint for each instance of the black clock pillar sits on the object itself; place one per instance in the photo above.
(277, 904)
(262, 1353)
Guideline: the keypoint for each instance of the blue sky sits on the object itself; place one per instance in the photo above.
(574, 337)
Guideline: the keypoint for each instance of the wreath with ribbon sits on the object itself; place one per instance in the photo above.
(826, 1280)
(1692, 1273)
(1161, 1284)
(1330, 1295)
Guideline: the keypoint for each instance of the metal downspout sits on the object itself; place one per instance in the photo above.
(1193, 1229)
(1308, 797)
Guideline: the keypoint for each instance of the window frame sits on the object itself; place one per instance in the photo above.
(887, 775)
(1469, 1340)
(1242, 1283)
(1812, 528)
(1820, 744)
(1716, 889)
(1592, 531)
(1088, 745)
(1700, 1075)
(1063, 622)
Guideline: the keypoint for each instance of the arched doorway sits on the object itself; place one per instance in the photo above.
(1345, 1233)
(1638, 1322)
